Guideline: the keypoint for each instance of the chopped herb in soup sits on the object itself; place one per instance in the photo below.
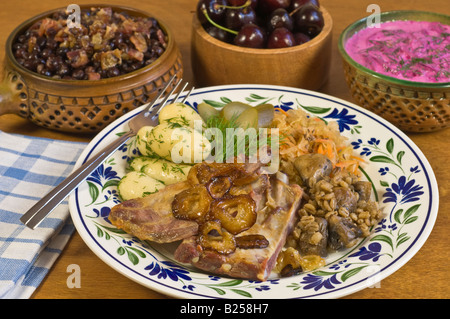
(409, 50)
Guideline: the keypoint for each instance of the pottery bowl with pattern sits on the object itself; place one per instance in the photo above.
(83, 106)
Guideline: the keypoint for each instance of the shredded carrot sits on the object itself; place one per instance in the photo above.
(303, 134)
(346, 163)
(281, 110)
(287, 141)
(329, 148)
(358, 158)
(320, 149)
(323, 140)
(330, 151)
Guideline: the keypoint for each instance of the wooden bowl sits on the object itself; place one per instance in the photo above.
(84, 106)
(304, 66)
(411, 106)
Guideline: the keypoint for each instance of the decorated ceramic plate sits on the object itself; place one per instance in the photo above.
(405, 185)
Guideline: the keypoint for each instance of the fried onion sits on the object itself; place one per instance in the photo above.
(192, 203)
(236, 213)
(212, 236)
(218, 186)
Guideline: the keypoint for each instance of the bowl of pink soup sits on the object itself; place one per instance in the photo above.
(399, 68)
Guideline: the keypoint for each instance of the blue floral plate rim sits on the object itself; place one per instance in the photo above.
(385, 251)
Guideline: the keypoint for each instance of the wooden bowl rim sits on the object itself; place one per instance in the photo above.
(146, 69)
(328, 26)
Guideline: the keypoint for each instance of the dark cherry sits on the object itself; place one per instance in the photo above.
(280, 18)
(254, 4)
(280, 38)
(268, 6)
(235, 19)
(301, 38)
(308, 20)
(213, 8)
(298, 3)
(236, 3)
(251, 36)
(263, 23)
(218, 33)
(239, 3)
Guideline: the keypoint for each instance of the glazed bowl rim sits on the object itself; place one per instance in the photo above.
(395, 13)
(327, 29)
(27, 23)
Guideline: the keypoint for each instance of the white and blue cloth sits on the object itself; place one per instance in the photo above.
(29, 168)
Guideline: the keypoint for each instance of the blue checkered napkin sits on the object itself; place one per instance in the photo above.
(29, 168)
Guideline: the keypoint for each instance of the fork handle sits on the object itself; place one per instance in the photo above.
(48, 203)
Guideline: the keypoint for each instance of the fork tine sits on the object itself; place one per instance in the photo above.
(155, 111)
(181, 91)
(187, 95)
(152, 103)
(170, 94)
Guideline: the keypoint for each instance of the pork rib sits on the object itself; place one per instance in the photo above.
(151, 218)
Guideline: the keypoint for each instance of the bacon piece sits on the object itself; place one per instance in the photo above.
(110, 59)
(94, 76)
(78, 58)
(136, 55)
(139, 42)
(48, 24)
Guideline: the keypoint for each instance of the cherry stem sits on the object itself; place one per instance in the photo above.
(218, 25)
(294, 11)
(246, 4)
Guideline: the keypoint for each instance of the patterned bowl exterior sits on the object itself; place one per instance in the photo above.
(411, 110)
(72, 112)
(82, 106)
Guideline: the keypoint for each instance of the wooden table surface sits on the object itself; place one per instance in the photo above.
(426, 275)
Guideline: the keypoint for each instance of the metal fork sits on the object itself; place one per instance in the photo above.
(149, 116)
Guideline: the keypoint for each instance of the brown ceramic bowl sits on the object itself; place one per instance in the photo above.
(411, 106)
(215, 62)
(82, 105)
